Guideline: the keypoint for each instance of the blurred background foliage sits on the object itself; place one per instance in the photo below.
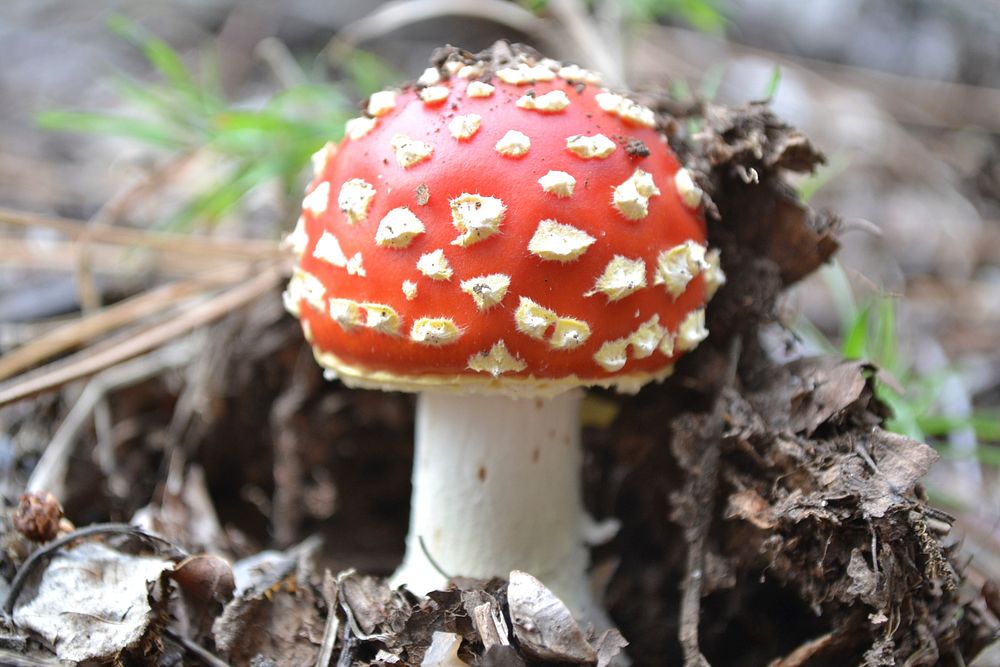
(186, 111)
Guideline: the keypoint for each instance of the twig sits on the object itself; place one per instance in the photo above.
(86, 328)
(860, 450)
(201, 652)
(572, 14)
(50, 471)
(856, 224)
(348, 642)
(156, 301)
(352, 623)
(11, 659)
(282, 62)
(52, 547)
(330, 593)
(911, 100)
(702, 489)
(204, 246)
(110, 259)
(88, 292)
(609, 19)
(430, 558)
(393, 16)
(109, 213)
(104, 447)
(86, 363)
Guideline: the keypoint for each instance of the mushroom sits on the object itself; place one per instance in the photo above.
(496, 238)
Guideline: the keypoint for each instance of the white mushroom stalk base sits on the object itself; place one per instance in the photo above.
(496, 487)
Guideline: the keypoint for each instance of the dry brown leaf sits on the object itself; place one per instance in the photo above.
(543, 624)
(609, 646)
(749, 506)
(275, 613)
(501, 656)
(901, 463)
(863, 579)
(829, 388)
(370, 600)
(94, 603)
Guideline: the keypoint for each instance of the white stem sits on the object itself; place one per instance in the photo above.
(496, 487)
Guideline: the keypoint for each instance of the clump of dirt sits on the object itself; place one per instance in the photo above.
(816, 545)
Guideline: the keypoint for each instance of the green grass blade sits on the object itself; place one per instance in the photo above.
(312, 99)
(711, 81)
(904, 418)
(162, 106)
(94, 123)
(703, 15)
(811, 335)
(884, 345)
(369, 72)
(159, 54)
(216, 202)
(855, 343)
(987, 455)
(771, 89)
(985, 425)
(836, 281)
(534, 6)
(810, 185)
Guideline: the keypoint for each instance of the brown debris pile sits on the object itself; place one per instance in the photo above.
(767, 518)
(801, 519)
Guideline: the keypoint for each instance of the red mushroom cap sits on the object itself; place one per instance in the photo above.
(516, 229)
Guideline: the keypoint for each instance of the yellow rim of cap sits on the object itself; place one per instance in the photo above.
(515, 386)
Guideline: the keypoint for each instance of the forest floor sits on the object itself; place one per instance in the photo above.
(773, 508)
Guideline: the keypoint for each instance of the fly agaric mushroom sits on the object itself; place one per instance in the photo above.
(495, 237)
